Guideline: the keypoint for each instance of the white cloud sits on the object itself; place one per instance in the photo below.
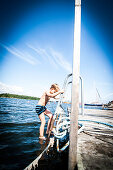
(14, 89)
(44, 54)
(60, 60)
(39, 51)
(55, 58)
(4, 88)
(24, 55)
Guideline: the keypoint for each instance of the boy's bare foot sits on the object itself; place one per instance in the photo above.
(42, 137)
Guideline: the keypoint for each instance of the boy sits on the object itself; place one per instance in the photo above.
(42, 110)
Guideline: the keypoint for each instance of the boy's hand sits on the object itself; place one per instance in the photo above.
(62, 91)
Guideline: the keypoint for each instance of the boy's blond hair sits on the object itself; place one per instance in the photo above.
(55, 86)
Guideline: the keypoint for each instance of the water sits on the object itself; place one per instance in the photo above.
(19, 131)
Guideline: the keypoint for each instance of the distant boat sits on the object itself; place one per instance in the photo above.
(107, 106)
(93, 104)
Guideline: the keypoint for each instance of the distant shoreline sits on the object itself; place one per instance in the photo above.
(7, 95)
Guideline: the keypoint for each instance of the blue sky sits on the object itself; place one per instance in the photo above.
(36, 46)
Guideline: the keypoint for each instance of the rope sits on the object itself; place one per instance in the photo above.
(98, 133)
(107, 124)
(34, 164)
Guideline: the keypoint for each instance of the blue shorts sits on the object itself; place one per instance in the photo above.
(40, 109)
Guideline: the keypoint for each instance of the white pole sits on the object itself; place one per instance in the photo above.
(72, 162)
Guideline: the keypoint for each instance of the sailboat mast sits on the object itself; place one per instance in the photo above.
(72, 162)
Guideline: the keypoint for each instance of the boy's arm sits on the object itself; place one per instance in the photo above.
(54, 94)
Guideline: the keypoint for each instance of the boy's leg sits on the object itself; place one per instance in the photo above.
(42, 118)
(50, 115)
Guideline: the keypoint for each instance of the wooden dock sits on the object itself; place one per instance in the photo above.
(95, 146)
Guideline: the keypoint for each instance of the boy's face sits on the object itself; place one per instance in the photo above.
(57, 89)
(53, 90)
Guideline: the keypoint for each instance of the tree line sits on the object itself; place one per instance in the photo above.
(7, 95)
